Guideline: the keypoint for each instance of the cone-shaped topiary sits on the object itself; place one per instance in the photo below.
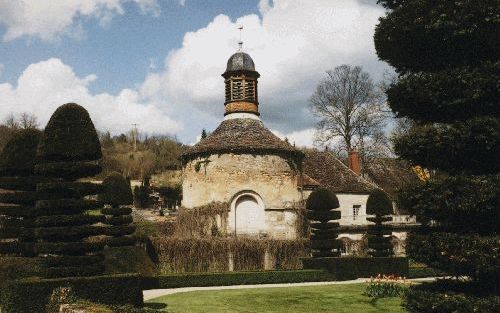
(117, 194)
(68, 150)
(379, 240)
(17, 201)
(320, 207)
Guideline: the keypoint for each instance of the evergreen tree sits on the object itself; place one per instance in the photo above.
(447, 57)
(321, 209)
(203, 133)
(379, 241)
(69, 149)
(118, 196)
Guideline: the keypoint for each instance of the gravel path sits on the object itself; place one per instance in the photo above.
(155, 293)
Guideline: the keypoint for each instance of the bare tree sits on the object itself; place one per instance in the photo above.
(352, 112)
(11, 122)
(28, 121)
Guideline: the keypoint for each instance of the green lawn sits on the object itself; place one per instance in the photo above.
(333, 298)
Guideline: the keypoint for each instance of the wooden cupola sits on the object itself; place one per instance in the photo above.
(240, 80)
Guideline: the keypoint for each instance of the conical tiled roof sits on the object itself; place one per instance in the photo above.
(241, 135)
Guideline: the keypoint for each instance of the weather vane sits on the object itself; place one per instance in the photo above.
(240, 43)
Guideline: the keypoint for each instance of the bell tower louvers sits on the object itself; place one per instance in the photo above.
(240, 79)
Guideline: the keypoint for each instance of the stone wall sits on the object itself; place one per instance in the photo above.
(270, 179)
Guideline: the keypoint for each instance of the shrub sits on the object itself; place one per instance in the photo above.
(321, 206)
(236, 278)
(111, 289)
(447, 69)
(69, 135)
(444, 297)
(69, 149)
(141, 196)
(379, 240)
(116, 190)
(128, 259)
(17, 162)
(214, 254)
(353, 267)
(116, 194)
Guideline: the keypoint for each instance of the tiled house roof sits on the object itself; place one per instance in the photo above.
(331, 173)
(241, 135)
(305, 181)
(390, 174)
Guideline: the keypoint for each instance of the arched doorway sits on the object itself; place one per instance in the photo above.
(247, 215)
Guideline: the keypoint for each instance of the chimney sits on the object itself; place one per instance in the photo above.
(354, 162)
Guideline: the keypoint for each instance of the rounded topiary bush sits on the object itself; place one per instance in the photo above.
(379, 205)
(70, 135)
(116, 190)
(17, 162)
(69, 149)
(18, 156)
(118, 196)
(320, 210)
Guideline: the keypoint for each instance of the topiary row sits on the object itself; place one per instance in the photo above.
(320, 210)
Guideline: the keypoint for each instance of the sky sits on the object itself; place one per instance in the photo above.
(157, 63)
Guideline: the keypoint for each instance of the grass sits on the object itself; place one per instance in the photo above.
(346, 298)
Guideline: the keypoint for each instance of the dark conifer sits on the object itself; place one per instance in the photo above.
(447, 55)
(18, 195)
(321, 209)
(380, 207)
(69, 149)
(118, 196)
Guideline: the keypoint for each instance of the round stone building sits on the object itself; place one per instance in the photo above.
(244, 164)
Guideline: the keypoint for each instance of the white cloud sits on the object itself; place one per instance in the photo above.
(300, 138)
(44, 86)
(292, 44)
(48, 20)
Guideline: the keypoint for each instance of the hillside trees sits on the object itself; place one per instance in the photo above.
(152, 155)
(446, 54)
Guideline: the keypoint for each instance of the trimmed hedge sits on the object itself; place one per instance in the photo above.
(236, 278)
(345, 268)
(450, 296)
(32, 295)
